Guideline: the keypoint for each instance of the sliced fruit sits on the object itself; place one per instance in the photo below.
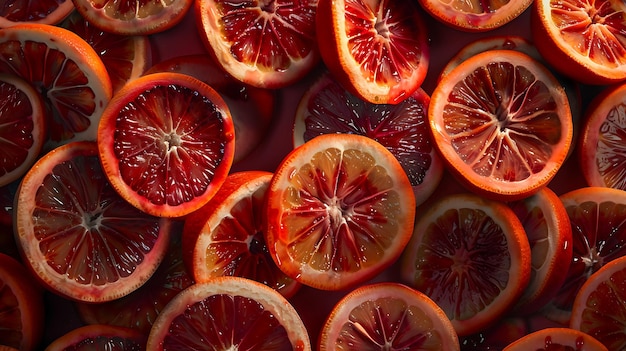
(68, 73)
(21, 306)
(133, 17)
(99, 337)
(556, 339)
(79, 237)
(471, 256)
(166, 143)
(22, 127)
(475, 16)
(378, 50)
(13, 12)
(326, 107)
(502, 123)
(251, 108)
(340, 210)
(229, 313)
(387, 316)
(497, 336)
(584, 40)
(549, 233)
(600, 305)
(267, 44)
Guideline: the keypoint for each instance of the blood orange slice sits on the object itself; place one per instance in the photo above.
(80, 238)
(326, 107)
(556, 339)
(267, 44)
(22, 127)
(599, 307)
(13, 12)
(99, 337)
(387, 316)
(340, 210)
(472, 257)
(67, 72)
(503, 124)
(166, 143)
(378, 50)
(229, 313)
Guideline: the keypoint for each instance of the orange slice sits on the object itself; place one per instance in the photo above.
(472, 257)
(13, 12)
(555, 338)
(166, 143)
(387, 316)
(229, 313)
(99, 337)
(378, 50)
(502, 123)
(80, 238)
(340, 210)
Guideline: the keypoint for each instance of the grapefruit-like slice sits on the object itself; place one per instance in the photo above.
(99, 337)
(13, 12)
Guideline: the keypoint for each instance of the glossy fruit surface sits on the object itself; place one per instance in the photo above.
(556, 339)
(99, 337)
(14, 12)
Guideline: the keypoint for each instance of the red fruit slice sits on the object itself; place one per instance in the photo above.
(556, 339)
(99, 337)
(13, 12)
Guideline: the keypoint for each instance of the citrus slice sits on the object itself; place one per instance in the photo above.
(251, 108)
(581, 39)
(556, 339)
(378, 50)
(22, 127)
(13, 12)
(602, 142)
(99, 337)
(326, 107)
(133, 17)
(21, 306)
(68, 73)
(471, 256)
(267, 44)
(599, 307)
(166, 143)
(340, 210)
(80, 238)
(502, 123)
(549, 232)
(387, 316)
(475, 15)
(226, 237)
(229, 313)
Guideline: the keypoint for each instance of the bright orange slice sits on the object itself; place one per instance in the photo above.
(555, 338)
(503, 124)
(13, 12)
(99, 337)
(166, 143)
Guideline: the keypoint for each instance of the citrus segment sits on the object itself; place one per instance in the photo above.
(80, 238)
(340, 210)
(99, 337)
(378, 50)
(13, 12)
(229, 313)
(387, 316)
(472, 257)
(166, 143)
(555, 338)
(502, 123)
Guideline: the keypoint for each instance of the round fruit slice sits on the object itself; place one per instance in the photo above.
(226, 237)
(556, 339)
(502, 122)
(475, 16)
(80, 238)
(21, 306)
(602, 142)
(13, 12)
(581, 39)
(229, 313)
(376, 50)
(268, 44)
(549, 232)
(387, 316)
(133, 17)
(472, 257)
(68, 73)
(99, 337)
(326, 107)
(340, 210)
(600, 305)
(22, 127)
(166, 143)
